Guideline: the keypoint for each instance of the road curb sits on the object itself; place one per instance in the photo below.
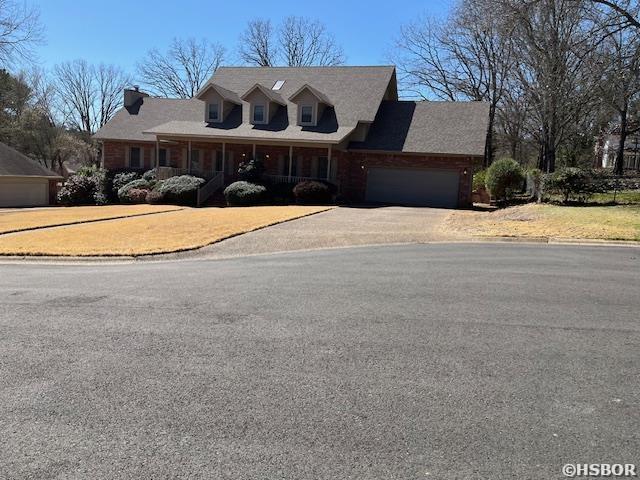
(174, 257)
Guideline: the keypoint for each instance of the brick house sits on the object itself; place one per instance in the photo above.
(343, 125)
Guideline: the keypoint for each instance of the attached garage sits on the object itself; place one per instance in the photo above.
(412, 186)
(24, 182)
(24, 192)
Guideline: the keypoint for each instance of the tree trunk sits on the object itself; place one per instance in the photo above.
(618, 167)
(488, 147)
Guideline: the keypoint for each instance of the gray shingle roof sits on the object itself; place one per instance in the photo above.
(267, 92)
(128, 124)
(456, 128)
(355, 92)
(223, 92)
(15, 164)
(314, 91)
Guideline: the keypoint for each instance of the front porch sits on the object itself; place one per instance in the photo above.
(283, 164)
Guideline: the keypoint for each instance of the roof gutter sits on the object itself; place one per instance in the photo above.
(230, 139)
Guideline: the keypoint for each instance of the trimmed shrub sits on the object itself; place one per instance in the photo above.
(479, 180)
(312, 192)
(240, 194)
(137, 195)
(154, 197)
(123, 178)
(575, 183)
(251, 171)
(503, 178)
(86, 187)
(150, 175)
(182, 190)
(139, 184)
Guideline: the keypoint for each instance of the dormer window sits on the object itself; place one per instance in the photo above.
(311, 105)
(214, 112)
(258, 113)
(306, 115)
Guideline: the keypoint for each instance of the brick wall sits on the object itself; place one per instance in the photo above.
(359, 163)
(53, 191)
(115, 154)
(351, 173)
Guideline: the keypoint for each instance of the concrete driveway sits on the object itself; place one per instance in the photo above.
(439, 361)
(340, 227)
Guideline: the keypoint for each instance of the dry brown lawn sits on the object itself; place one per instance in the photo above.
(186, 229)
(620, 222)
(27, 219)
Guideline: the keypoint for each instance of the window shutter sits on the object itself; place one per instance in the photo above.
(334, 168)
(127, 157)
(314, 166)
(142, 149)
(185, 161)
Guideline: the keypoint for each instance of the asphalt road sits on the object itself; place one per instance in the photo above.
(432, 361)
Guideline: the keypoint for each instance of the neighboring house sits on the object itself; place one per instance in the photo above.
(607, 149)
(344, 125)
(24, 182)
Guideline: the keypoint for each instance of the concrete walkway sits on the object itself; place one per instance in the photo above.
(340, 227)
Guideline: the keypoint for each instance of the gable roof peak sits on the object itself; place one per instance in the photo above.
(316, 93)
(270, 94)
(223, 92)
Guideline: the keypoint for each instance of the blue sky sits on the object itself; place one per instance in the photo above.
(121, 31)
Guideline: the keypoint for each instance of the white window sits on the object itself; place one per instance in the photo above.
(214, 112)
(278, 85)
(258, 114)
(306, 115)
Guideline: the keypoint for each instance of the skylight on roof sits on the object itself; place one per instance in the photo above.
(278, 85)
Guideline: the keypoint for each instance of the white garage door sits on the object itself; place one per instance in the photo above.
(407, 186)
(24, 193)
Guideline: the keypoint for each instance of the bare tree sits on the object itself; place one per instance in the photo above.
(621, 87)
(298, 42)
(306, 42)
(183, 70)
(20, 31)
(627, 10)
(257, 44)
(467, 58)
(88, 94)
(556, 69)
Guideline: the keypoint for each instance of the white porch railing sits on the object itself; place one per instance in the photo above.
(209, 188)
(162, 173)
(296, 179)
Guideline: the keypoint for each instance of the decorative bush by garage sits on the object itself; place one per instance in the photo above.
(312, 193)
(504, 177)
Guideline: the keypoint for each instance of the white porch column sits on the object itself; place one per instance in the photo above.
(290, 161)
(224, 156)
(189, 157)
(254, 151)
(329, 163)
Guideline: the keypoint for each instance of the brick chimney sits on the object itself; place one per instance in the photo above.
(132, 95)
